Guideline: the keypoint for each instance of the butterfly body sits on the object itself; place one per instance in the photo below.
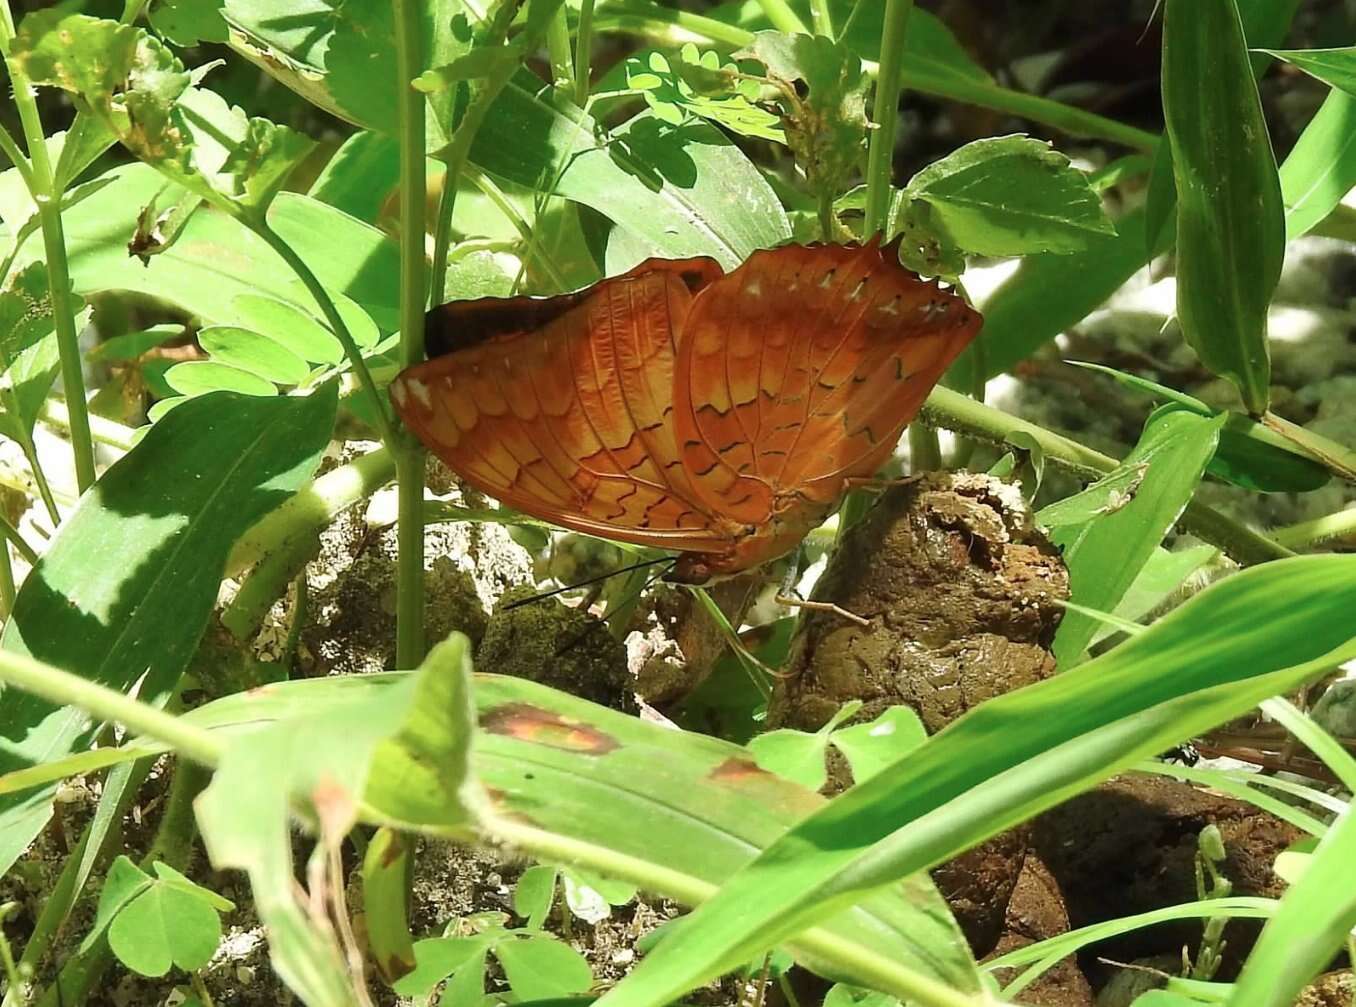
(680, 407)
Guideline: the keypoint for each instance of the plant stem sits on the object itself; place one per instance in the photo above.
(1337, 527)
(408, 452)
(783, 18)
(16, 158)
(62, 688)
(822, 17)
(1337, 458)
(7, 591)
(442, 241)
(885, 117)
(505, 206)
(325, 303)
(105, 431)
(925, 451)
(47, 196)
(558, 51)
(583, 52)
(953, 411)
(11, 535)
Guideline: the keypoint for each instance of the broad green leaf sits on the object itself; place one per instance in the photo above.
(718, 808)
(1049, 294)
(252, 352)
(540, 968)
(123, 882)
(598, 892)
(534, 894)
(1250, 454)
(1321, 167)
(216, 260)
(437, 958)
(879, 743)
(1256, 634)
(482, 61)
(25, 311)
(1105, 554)
(681, 192)
(1012, 195)
(288, 326)
(320, 763)
(1105, 496)
(1315, 921)
(161, 520)
(131, 345)
(171, 922)
(360, 176)
(825, 126)
(198, 377)
(1163, 573)
(31, 378)
(140, 91)
(797, 755)
(1230, 217)
(386, 877)
(1336, 67)
(188, 22)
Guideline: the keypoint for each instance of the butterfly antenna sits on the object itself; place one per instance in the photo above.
(591, 580)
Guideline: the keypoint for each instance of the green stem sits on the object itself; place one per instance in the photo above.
(885, 117)
(48, 199)
(62, 688)
(1337, 458)
(35, 466)
(105, 431)
(408, 452)
(11, 535)
(7, 589)
(822, 17)
(559, 52)
(583, 52)
(783, 18)
(16, 158)
(505, 206)
(953, 411)
(442, 241)
(280, 545)
(643, 17)
(925, 450)
(325, 303)
(1329, 528)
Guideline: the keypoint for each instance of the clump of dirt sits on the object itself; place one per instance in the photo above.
(1129, 846)
(961, 596)
(548, 642)
(1036, 912)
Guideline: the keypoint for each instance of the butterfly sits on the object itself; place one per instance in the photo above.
(719, 415)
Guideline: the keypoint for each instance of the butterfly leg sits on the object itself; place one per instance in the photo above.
(787, 595)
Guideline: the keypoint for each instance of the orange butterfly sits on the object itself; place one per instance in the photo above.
(680, 407)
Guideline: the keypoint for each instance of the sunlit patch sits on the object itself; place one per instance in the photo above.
(420, 391)
(542, 727)
(738, 770)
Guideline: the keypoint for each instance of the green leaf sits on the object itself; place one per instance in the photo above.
(123, 883)
(1105, 554)
(872, 746)
(25, 311)
(436, 958)
(386, 876)
(671, 95)
(140, 91)
(1105, 496)
(1321, 167)
(31, 378)
(797, 756)
(534, 894)
(1250, 454)
(1335, 67)
(540, 968)
(1230, 216)
(826, 127)
(189, 22)
(198, 377)
(161, 520)
(1012, 195)
(360, 176)
(171, 922)
(288, 326)
(1049, 294)
(1315, 920)
(1163, 573)
(251, 352)
(322, 763)
(131, 345)
(1261, 632)
(482, 61)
